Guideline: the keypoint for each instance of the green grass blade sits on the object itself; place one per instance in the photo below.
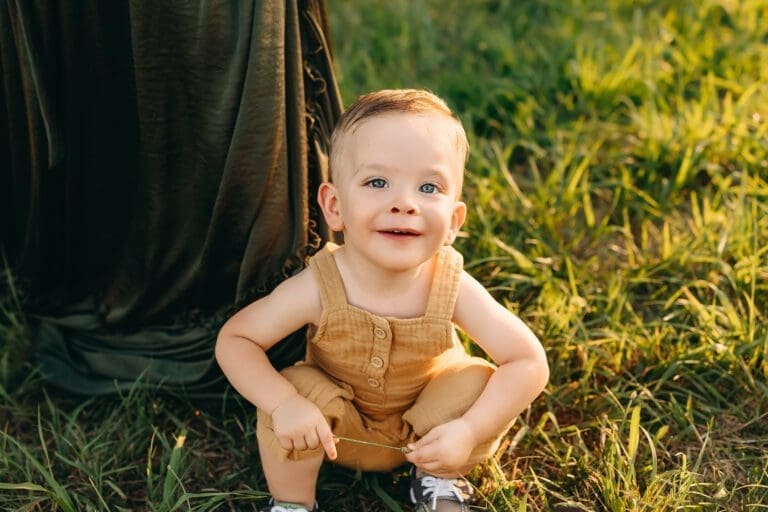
(57, 491)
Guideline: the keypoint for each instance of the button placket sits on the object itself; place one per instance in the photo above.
(377, 364)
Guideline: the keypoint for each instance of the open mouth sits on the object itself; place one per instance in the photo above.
(399, 233)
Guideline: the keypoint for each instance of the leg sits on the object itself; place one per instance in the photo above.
(446, 397)
(291, 475)
(449, 395)
(290, 480)
(335, 401)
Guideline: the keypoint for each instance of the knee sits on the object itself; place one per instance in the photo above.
(471, 379)
(448, 396)
(461, 384)
(315, 385)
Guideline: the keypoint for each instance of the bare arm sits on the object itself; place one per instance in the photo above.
(241, 353)
(243, 341)
(523, 369)
(522, 374)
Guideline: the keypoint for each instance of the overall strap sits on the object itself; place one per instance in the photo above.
(323, 264)
(445, 285)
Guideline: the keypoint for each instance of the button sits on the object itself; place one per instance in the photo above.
(373, 382)
(377, 362)
(380, 333)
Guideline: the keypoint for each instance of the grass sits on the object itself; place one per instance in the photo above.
(618, 202)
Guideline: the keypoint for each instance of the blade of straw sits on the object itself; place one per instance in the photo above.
(401, 449)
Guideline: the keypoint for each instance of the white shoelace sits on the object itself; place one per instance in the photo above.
(435, 487)
(278, 508)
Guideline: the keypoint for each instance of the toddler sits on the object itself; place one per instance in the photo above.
(384, 364)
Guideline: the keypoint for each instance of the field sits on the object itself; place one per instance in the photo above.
(618, 202)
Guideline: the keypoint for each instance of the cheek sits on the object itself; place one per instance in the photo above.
(365, 205)
(447, 214)
(355, 213)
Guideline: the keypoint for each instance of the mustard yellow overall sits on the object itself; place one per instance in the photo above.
(383, 379)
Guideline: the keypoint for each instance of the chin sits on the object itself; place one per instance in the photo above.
(403, 263)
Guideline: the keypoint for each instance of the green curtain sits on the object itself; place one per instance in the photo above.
(159, 162)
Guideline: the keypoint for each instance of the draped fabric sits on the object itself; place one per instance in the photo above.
(159, 161)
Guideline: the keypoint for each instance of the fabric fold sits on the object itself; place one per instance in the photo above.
(161, 168)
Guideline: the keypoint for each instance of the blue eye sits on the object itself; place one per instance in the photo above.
(376, 183)
(429, 188)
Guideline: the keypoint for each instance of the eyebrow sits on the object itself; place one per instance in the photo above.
(372, 167)
(430, 172)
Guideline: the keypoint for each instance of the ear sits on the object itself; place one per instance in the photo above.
(457, 220)
(329, 203)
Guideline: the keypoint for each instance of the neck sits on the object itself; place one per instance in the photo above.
(369, 276)
(397, 293)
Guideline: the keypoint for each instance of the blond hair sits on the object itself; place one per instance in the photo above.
(388, 101)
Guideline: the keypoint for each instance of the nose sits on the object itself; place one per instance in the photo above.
(398, 209)
(404, 204)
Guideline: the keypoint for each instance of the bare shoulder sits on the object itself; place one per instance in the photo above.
(472, 295)
(300, 294)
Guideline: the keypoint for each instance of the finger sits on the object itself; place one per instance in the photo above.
(285, 443)
(419, 443)
(432, 467)
(311, 439)
(415, 445)
(325, 436)
(421, 447)
(428, 455)
(414, 455)
(419, 457)
(299, 444)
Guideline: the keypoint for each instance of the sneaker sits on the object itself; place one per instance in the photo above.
(284, 506)
(428, 490)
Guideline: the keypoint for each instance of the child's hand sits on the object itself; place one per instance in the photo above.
(300, 425)
(445, 449)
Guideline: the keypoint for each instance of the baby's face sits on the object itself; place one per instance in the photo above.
(397, 184)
